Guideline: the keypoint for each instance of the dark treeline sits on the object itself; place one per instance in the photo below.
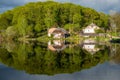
(33, 19)
(37, 59)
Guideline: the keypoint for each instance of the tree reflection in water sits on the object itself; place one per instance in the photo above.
(39, 58)
(115, 54)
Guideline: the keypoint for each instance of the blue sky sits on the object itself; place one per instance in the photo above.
(105, 6)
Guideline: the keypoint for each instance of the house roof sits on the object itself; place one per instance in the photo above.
(57, 30)
(56, 47)
(92, 25)
(51, 30)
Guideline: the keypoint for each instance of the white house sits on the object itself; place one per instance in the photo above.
(90, 30)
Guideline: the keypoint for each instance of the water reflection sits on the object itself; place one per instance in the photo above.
(36, 58)
(90, 46)
(115, 54)
(57, 45)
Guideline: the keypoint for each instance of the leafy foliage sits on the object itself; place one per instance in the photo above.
(33, 19)
(115, 22)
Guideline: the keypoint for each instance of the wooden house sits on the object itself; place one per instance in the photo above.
(57, 33)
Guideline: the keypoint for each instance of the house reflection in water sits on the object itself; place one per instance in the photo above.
(56, 45)
(90, 46)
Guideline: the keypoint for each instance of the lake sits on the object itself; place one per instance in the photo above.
(60, 60)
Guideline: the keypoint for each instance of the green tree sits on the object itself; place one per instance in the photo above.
(22, 25)
(35, 18)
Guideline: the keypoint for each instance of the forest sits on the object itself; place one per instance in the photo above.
(35, 58)
(34, 19)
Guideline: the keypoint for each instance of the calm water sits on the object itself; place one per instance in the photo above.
(59, 60)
